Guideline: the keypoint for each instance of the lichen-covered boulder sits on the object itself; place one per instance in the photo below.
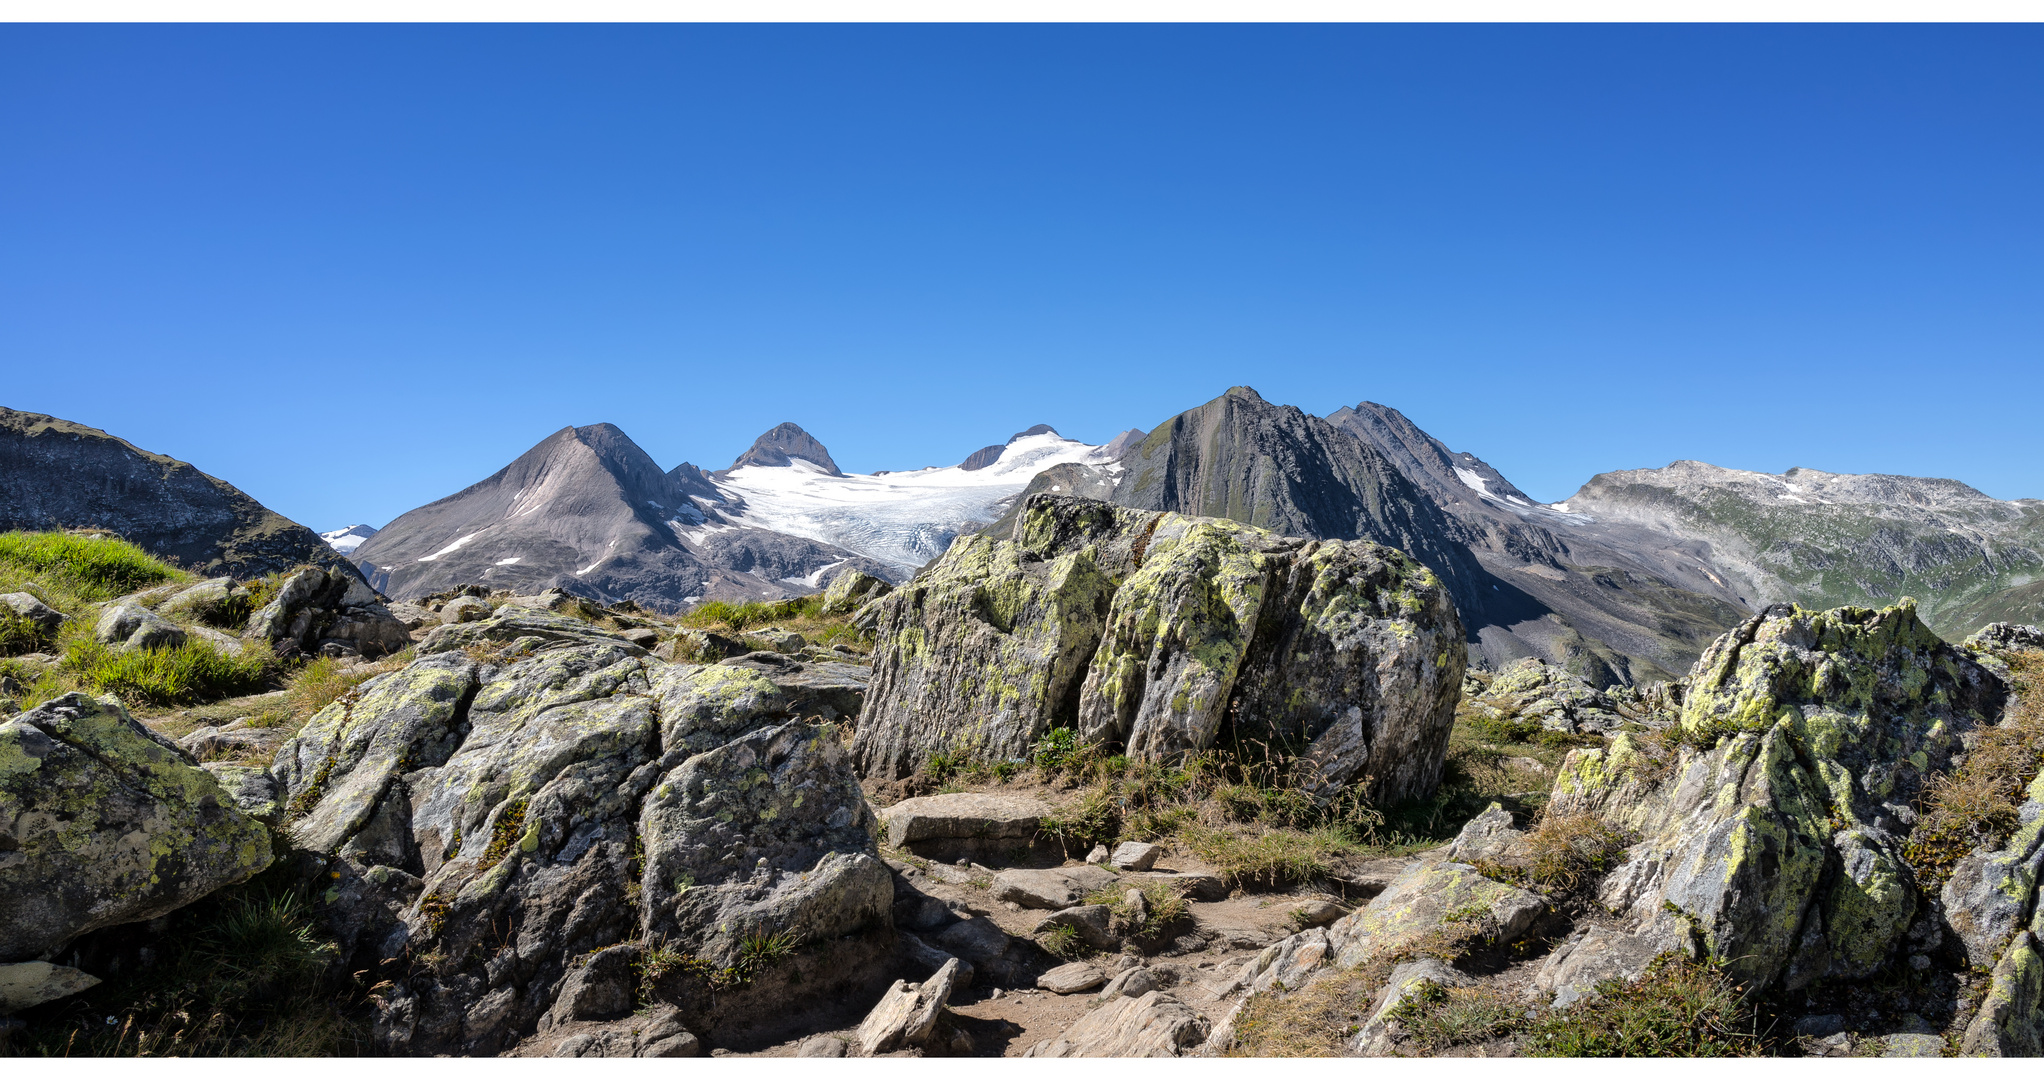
(1433, 900)
(213, 602)
(548, 790)
(1534, 691)
(768, 834)
(1777, 824)
(850, 589)
(102, 822)
(46, 619)
(1147, 630)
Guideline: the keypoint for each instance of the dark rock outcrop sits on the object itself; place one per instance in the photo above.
(55, 474)
(1150, 630)
(783, 444)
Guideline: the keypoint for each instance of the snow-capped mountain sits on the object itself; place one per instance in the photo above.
(347, 540)
(901, 519)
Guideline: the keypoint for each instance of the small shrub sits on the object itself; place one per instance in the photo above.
(1062, 942)
(1271, 857)
(1679, 1008)
(1094, 819)
(1563, 853)
(1435, 1017)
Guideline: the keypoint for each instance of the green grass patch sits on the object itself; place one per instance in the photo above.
(89, 568)
(1434, 1018)
(185, 675)
(1679, 1008)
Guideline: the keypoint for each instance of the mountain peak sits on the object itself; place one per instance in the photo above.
(783, 444)
(987, 455)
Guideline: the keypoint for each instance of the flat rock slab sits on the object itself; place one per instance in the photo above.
(1153, 1025)
(1573, 970)
(1073, 978)
(962, 815)
(1054, 889)
(1134, 855)
(34, 982)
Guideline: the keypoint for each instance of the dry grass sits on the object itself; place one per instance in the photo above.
(1975, 805)
(1319, 1020)
(1562, 854)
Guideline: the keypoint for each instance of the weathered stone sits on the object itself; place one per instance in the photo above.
(1139, 628)
(1156, 1024)
(1990, 892)
(47, 620)
(777, 641)
(962, 815)
(1286, 964)
(2010, 1022)
(212, 601)
(907, 1014)
(1135, 855)
(1820, 729)
(599, 989)
(463, 609)
(2007, 636)
(29, 984)
(978, 940)
(1533, 691)
(1428, 899)
(821, 1046)
(518, 631)
(1316, 913)
(103, 822)
(1052, 889)
(315, 605)
(1093, 923)
(766, 834)
(254, 791)
(1374, 1038)
(1073, 978)
(132, 626)
(1098, 855)
(1488, 837)
(1914, 1046)
(1573, 970)
(828, 689)
(1135, 982)
(850, 589)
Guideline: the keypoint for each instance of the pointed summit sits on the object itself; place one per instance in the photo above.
(778, 448)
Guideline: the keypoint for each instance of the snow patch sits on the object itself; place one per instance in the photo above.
(1474, 482)
(451, 548)
(507, 562)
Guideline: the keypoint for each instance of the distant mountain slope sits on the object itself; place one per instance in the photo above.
(587, 510)
(55, 474)
(1823, 539)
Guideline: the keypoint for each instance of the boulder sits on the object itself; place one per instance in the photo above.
(1134, 982)
(1430, 900)
(908, 1014)
(103, 822)
(1053, 889)
(2010, 1022)
(829, 689)
(1374, 1038)
(132, 626)
(1285, 965)
(777, 641)
(962, 816)
(463, 609)
(254, 791)
(1093, 923)
(2007, 636)
(1806, 737)
(29, 984)
(1487, 837)
(47, 620)
(215, 602)
(978, 940)
(659, 1035)
(554, 792)
(599, 988)
(314, 606)
(700, 647)
(1135, 855)
(1990, 893)
(1074, 978)
(1139, 628)
(1573, 970)
(851, 589)
(1156, 1024)
(1533, 691)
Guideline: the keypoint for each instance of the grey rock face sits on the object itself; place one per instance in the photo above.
(782, 445)
(316, 606)
(132, 626)
(32, 983)
(962, 815)
(105, 823)
(1156, 1024)
(1999, 635)
(850, 589)
(47, 619)
(1053, 889)
(456, 795)
(55, 474)
(1142, 630)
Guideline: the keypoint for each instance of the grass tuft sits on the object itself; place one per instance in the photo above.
(1974, 806)
(185, 675)
(90, 568)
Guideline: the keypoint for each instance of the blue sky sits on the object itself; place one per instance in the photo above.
(355, 269)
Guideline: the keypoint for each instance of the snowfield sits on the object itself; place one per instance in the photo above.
(903, 519)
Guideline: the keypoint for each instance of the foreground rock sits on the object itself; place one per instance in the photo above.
(1141, 628)
(29, 984)
(502, 817)
(102, 822)
(908, 1014)
(317, 608)
(967, 816)
(1807, 736)
(1157, 1024)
